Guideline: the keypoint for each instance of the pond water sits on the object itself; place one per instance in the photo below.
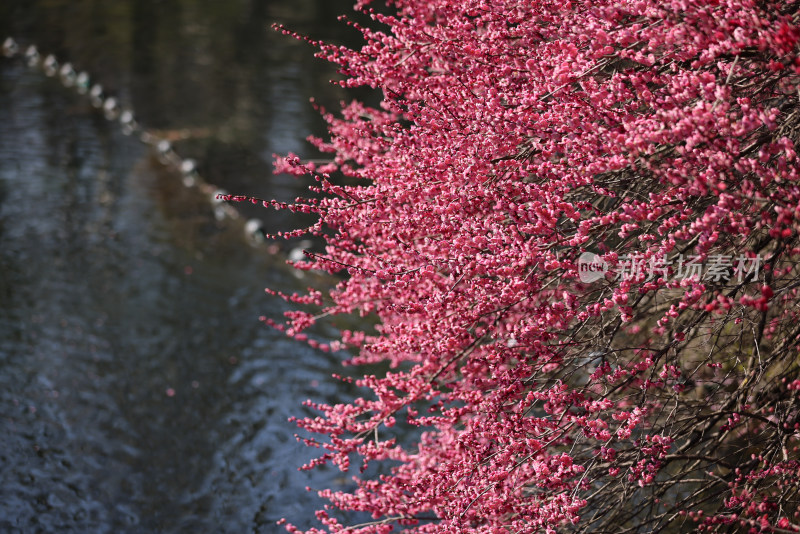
(138, 390)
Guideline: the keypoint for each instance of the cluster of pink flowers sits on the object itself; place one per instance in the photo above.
(513, 136)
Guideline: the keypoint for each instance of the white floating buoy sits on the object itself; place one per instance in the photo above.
(254, 229)
(165, 153)
(50, 65)
(32, 56)
(96, 95)
(111, 108)
(82, 82)
(10, 47)
(298, 253)
(67, 75)
(164, 147)
(217, 196)
(189, 172)
(218, 204)
(128, 122)
(188, 166)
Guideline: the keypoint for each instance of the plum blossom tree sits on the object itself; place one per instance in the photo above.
(513, 137)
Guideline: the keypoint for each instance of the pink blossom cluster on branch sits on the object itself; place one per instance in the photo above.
(513, 137)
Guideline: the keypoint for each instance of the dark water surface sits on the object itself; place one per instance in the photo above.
(138, 390)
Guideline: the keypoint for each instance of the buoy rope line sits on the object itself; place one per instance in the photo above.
(113, 111)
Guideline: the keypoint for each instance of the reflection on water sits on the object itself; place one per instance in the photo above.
(138, 391)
